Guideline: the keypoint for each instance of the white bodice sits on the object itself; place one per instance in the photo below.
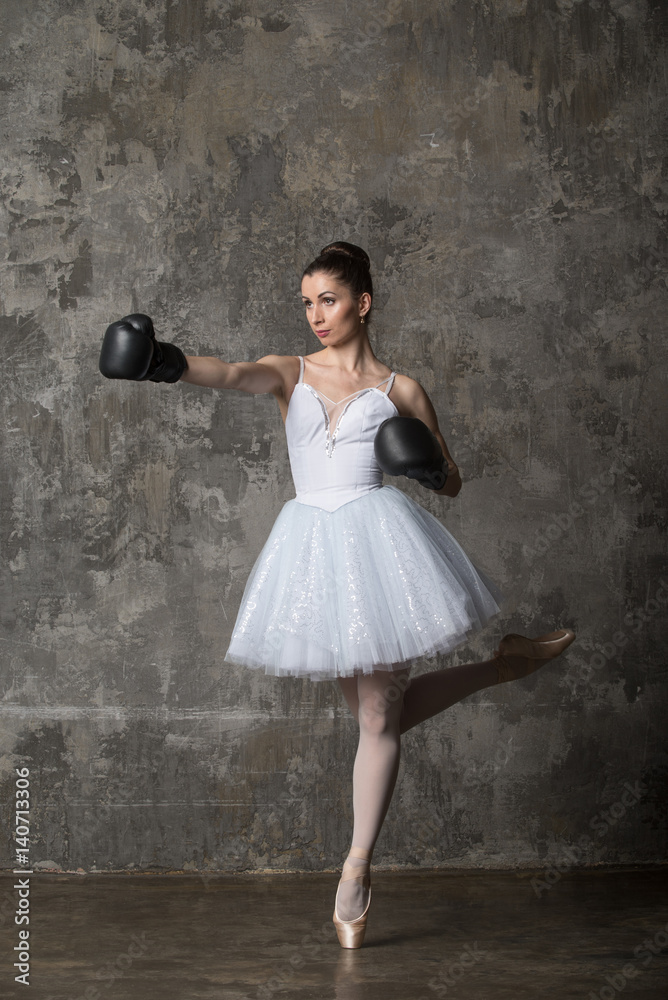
(331, 444)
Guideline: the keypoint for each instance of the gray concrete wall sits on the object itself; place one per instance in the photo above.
(505, 164)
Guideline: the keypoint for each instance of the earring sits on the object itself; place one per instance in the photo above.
(362, 319)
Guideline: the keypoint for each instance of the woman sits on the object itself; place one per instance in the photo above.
(356, 580)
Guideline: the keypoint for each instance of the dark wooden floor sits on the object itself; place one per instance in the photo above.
(594, 933)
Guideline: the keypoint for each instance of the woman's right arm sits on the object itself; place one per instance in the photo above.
(266, 375)
(130, 351)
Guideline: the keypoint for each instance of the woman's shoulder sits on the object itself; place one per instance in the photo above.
(410, 398)
(406, 387)
(284, 363)
(287, 368)
(278, 359)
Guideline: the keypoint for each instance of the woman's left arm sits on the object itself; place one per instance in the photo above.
(413, 401)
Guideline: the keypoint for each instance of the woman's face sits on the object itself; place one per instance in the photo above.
(332, 310)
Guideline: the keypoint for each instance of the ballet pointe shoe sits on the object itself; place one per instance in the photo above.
(351, 932)
(518, 656)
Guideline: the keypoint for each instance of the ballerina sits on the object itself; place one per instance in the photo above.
(356, 580)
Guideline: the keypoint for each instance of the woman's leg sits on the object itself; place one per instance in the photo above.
(517, 656)
(379, 701)
(348, 686)
(433, 692)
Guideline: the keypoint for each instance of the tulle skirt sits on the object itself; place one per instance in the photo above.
(375, 584)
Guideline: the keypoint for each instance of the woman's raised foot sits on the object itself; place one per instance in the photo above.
(518, 656)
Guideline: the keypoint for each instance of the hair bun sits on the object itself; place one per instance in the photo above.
(349, 250)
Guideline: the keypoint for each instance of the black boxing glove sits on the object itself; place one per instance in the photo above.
(405, 446)
(130, 351)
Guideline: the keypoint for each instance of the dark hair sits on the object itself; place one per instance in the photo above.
(347, 263)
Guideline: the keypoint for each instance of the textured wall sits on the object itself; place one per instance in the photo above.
(505, 165)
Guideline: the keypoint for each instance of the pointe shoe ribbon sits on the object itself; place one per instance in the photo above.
(351, 932)
(529, 654)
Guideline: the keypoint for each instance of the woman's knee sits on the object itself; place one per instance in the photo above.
(380, 701)
(373, 718)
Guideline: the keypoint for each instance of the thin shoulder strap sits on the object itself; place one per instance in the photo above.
(390, 383)
(301, 368)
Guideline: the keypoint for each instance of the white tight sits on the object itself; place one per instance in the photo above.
(387, 704)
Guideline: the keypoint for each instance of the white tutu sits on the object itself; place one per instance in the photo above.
(374, 584)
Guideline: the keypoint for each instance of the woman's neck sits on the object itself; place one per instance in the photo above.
(354, 356)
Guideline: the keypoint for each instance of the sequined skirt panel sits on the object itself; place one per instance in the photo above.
(375, 584)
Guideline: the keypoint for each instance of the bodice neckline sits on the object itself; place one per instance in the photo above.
(302, 362)
(338, 410)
